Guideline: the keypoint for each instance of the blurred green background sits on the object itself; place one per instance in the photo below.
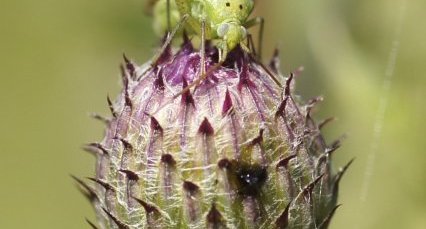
(59, 60)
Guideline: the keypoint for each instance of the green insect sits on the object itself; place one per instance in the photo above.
(225, 21)
(222, 20)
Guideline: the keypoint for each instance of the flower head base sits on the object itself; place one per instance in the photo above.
(236, 151)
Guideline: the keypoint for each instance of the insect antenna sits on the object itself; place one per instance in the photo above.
(251, 46)
(261, 22)
(266, 69)
(169, 39)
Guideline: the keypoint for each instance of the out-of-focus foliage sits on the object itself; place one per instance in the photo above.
(59, 59)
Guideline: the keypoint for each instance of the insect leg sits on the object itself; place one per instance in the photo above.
(199, 80)
(261, 22)
(203, 72)
(169, 24)
(203, 47)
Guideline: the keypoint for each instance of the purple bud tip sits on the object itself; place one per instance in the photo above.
(227, 104)
(282, 221)
(168, 159)
(102, 183)
(206, 128)
(130, 174)
(155, 125)
(129, 65)
(224, 164)
(186, 96)
(148, 207)
(214, 217)
(284, 162)
(190, 187)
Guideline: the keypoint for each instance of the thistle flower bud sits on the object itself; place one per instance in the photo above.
(236, 151)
